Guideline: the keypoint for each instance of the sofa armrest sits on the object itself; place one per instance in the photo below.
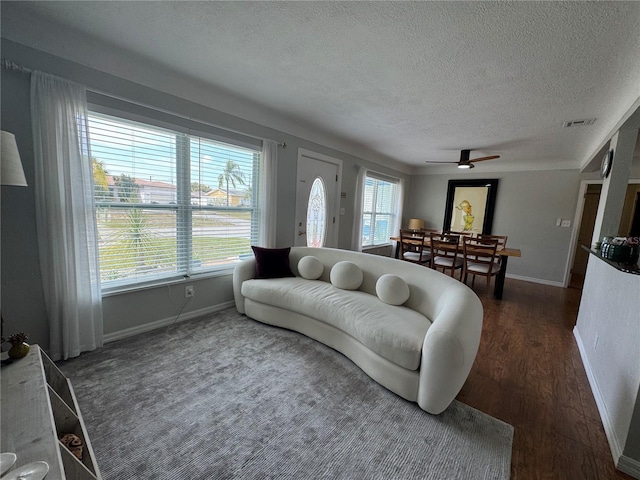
(245, 270)
(449, 349)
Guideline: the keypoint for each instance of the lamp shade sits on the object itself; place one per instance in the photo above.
(11, 173)
(416, 224)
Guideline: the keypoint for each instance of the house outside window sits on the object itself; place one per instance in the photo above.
(169, 203)
(379, 209)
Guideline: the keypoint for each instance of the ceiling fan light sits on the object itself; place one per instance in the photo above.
(465, 165)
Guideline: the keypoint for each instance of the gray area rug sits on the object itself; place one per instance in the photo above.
(224, 396)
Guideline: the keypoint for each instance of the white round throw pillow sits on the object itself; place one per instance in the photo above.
(310, 267)
(346, 275)
(392, 289)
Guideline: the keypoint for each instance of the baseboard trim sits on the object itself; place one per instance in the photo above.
(147, 327)
(536, 280)
(629, 466)
(609, 431)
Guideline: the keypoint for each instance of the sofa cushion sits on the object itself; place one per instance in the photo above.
(395, 333)
(272, 262)
(392, 289)
(310, 267)
(346, 275)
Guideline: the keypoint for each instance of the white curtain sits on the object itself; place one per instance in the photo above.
(268, 194)
(356, 235)
(65, 216)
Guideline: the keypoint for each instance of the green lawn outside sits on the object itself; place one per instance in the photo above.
(162, 256)
(155, 218)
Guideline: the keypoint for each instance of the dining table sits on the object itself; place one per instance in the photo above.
(503, 252)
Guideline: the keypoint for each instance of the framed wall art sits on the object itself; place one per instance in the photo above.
(470, 205)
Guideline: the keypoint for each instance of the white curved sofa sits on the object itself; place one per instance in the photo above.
(422, 350)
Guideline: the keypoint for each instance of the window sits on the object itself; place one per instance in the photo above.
(317, 214)
(169, 203)
(379, 209)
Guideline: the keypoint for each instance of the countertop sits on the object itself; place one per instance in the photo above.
(633, 269)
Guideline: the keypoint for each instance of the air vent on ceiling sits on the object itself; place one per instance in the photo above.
(579, 123)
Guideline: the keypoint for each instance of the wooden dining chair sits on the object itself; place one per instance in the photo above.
(502, 242)
(480, 259)
(412, 247)
(445, 250)
(502, 239)
(460, 234)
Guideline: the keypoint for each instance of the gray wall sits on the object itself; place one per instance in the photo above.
(527, 206)
(22, 297)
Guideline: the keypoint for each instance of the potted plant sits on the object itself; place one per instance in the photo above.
(19, 347)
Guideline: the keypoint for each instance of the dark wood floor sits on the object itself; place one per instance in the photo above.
(529, 373)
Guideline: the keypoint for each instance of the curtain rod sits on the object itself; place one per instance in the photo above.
(11, 65)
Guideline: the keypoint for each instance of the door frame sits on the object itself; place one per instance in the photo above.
(303, 152)
(577, 220)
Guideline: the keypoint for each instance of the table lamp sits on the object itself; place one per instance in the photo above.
(11, 172)
(416, 224)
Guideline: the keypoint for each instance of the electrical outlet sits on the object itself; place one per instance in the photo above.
(565, 223)
(595, 343)
(189, 292)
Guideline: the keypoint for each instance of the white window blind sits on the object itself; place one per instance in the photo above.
(169, 203)
(379, 209)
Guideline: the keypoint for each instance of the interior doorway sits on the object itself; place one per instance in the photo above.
(587, 224)
(630, 223)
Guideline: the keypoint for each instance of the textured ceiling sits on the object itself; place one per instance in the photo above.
(407, 81)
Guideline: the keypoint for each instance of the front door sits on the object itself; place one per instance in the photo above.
(317, 200)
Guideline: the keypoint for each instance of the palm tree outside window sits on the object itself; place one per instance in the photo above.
(232, 174)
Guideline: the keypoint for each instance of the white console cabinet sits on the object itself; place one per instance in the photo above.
(38, 405)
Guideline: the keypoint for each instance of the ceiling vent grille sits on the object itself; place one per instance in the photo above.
(579, 123)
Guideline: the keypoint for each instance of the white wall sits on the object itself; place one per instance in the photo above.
(527, 206)
(608, 334)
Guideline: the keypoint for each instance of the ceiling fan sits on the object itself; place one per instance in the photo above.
(465, 162)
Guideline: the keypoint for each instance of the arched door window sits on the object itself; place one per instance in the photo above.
(317, 214)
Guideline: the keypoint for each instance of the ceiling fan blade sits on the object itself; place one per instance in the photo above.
(464, 160)
(482, 159)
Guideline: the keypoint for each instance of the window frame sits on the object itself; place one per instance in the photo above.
(394, 213)
(183, 207)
